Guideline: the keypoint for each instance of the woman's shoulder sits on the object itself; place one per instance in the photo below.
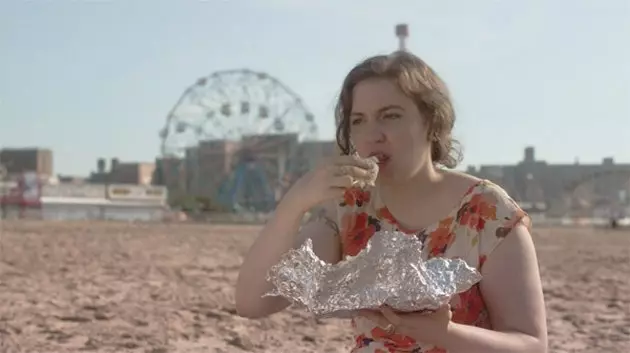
(491, 214)
(490, 210)
(496, 197)
(483, 189)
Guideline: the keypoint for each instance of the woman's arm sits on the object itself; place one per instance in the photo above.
(512, 290)
(277, 237)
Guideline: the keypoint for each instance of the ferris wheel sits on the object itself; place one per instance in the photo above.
(232, 104)
(263, 120)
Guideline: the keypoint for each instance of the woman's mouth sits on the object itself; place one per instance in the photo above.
(381, 157)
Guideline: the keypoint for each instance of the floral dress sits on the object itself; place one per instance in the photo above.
(472, 230)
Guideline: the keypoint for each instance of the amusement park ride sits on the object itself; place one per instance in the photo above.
(258, 114)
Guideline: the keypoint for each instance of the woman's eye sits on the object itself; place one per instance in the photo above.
(391, 116)
(355, 122)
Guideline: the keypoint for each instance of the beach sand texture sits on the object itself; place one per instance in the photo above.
(157, 288)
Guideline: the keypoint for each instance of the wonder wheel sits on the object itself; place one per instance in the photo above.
(238, 134)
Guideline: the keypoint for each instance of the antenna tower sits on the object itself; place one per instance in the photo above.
(402, 32)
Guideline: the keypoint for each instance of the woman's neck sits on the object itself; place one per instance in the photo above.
(422, 185)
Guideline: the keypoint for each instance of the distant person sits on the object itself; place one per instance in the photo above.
(396, 108)
(613, 223)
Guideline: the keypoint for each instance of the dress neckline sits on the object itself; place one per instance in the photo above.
(384, 211)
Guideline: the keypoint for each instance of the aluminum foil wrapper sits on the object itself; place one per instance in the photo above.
(389, 271)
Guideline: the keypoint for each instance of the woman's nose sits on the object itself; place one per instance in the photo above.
(375, 133)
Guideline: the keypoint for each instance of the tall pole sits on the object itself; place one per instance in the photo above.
(402, 32)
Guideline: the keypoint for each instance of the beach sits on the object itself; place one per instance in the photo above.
(157, 288)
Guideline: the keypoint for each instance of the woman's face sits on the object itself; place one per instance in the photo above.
(384, 122)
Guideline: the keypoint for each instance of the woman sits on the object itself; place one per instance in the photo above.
(397, 109)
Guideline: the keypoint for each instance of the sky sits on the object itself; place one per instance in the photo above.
(92, 79)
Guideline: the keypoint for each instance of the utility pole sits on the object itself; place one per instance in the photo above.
(402, 32)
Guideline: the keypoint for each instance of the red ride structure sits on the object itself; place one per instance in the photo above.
(26, 194)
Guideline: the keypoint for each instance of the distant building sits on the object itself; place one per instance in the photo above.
(312, 152)
(171, 173)
(561, 189)
(17, 161)
(214, 168)
(68, 179)
(138, 173)
(30, 198)
(207, 164)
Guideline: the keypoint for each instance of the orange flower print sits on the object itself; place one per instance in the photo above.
(355, 197)
(357, 229)
(441, 238)
(436, 350)
(476, 212)
(470, 308)
(384, 213)
(510, 222)
(396, 340)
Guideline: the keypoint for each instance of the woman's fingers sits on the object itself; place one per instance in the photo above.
(353, 171)
(375, 316)
(353, 161)
(342, 181)
(391, 316)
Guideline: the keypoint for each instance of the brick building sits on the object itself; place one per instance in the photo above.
(136, 173)
(561, 189)
(21, 160)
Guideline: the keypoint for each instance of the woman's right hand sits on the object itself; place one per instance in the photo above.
(327, 181)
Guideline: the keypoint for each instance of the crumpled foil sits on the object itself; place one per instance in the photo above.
(389, 271)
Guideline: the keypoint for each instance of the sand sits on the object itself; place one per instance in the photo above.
(157, 288)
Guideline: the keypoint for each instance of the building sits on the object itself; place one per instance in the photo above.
(543, 189)
(103, 202)
(207, 164)
(562, 189)
(30, 198)
(22, 160)
(313, 152)
(140, 173)
(257, 167)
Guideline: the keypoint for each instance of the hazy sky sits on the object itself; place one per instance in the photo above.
(93, 79)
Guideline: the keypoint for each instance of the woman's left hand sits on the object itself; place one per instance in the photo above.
(424, 327)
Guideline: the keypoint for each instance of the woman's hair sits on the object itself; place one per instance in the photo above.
(420, 83)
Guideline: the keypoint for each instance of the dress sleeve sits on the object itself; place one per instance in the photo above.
(507, 215)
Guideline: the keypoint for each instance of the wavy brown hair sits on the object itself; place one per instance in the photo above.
(419, 82)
